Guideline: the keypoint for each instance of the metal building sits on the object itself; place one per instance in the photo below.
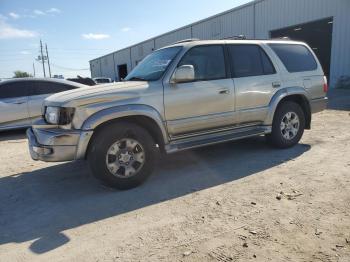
(323, 24)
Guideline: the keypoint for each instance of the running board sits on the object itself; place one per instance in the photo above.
(215, 138)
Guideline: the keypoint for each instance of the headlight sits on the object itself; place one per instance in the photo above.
(59, 115)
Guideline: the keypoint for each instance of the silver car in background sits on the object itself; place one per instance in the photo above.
(21, 99)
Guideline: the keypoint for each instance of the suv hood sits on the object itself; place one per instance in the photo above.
(97, 94)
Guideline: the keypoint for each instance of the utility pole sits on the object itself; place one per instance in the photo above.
(33, 69)
(42, 57)
(48, 60)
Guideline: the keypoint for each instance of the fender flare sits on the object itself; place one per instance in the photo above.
(281, 94)
(113, 113)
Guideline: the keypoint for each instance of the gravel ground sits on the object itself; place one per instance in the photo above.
(239, 201)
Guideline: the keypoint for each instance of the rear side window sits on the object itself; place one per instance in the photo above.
(249, 60)
(296, 58)
(41, 88)
(208, 62)
(12, 90)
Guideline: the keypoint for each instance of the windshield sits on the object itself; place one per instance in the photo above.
(153, 66)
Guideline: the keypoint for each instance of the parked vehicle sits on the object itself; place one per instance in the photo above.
(102, 80)
(187, 95)
(21, 99)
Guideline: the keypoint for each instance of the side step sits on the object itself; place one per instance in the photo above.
(215, 138)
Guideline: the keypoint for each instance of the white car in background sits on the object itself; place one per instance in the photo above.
(21, 99)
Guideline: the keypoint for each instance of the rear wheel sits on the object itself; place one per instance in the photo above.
(122, 155)
(288, 125)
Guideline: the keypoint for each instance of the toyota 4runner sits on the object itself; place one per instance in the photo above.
(190, 94)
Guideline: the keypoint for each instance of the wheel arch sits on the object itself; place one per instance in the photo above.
(142, 115)
(296, 94)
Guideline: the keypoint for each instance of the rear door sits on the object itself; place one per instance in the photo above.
(14, 104)
(38, 92)
(256, 80)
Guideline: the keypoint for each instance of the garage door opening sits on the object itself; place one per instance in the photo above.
(122, 71)
(317, 34)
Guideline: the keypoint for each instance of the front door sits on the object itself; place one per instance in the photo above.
(205, 103)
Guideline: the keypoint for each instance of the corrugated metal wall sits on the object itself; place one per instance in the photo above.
(122, 57)
(238, 22)
(95, 68)
(107, 66)
(184, 33)
(275, 14)
(139, 51)
(254, 20)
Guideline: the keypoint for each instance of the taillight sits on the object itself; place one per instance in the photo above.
(325, 85)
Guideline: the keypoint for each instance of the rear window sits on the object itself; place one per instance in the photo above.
(296, 58)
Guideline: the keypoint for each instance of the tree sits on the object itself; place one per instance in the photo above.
(20, 74)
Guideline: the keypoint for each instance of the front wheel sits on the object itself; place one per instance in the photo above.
(122, 155)
(288, 125)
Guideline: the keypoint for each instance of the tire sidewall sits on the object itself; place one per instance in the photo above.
(108, 136)
(276, 136)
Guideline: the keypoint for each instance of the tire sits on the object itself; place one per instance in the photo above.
(285, 125)
(122, 155)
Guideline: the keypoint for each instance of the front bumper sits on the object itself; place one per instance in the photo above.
(57, 145)
(318, 105)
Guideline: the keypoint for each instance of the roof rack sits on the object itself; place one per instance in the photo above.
(281, 38)
(186, 40)
(236, 37)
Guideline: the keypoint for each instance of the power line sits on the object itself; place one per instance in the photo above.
(68, 68)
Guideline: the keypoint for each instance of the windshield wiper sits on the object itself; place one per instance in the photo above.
(136, 78)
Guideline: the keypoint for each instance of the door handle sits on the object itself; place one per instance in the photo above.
(276, 84)
(224, 92)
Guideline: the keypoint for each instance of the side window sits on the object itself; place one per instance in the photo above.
(42, 88)
(208, 62)
(296, 58)
(250, 60)
(12, 90)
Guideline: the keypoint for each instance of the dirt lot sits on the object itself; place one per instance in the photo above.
(212, 204)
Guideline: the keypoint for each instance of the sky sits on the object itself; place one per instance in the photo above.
(78, 31)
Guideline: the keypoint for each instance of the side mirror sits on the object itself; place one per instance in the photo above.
(184, 73)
